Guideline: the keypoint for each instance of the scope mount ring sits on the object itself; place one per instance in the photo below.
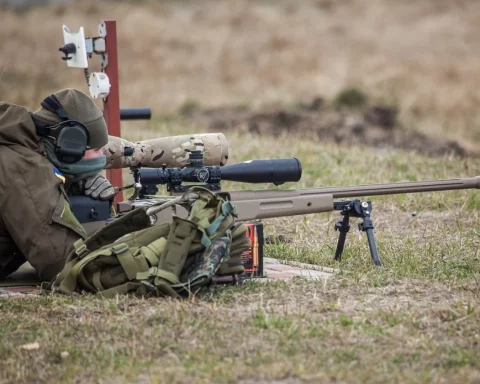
(203, 175)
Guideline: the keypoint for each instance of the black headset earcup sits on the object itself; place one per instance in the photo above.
(71, 143)
(72, 139)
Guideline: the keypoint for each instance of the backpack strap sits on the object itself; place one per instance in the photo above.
(182, 233)
(131, 222)
(66, 281)
(226, 218)
(123, 289)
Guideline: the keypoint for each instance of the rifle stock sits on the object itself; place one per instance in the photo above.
(264, 204)
(266, 208)
(364, 190)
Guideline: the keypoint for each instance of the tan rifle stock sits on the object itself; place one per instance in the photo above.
(263, 204)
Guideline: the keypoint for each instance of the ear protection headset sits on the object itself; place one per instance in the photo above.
(71, 137)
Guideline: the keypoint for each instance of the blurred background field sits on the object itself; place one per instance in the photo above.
(420, 57)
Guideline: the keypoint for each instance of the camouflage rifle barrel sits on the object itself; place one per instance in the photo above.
(173, 151)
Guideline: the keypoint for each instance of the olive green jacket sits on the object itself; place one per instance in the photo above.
(36, 222)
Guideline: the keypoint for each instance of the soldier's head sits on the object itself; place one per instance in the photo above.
(71, 123)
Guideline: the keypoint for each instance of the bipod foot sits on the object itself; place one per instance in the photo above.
(362, 210)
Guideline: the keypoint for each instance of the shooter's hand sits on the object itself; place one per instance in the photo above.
(98, 187)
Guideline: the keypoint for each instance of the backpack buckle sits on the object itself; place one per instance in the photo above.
(143, 276)
(80, 248)
(120, 248)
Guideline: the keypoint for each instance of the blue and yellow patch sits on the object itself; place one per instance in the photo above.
(59, 175)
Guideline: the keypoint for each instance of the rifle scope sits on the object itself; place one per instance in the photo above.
(276, 171)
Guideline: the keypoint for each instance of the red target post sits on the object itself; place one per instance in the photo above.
(111, 104)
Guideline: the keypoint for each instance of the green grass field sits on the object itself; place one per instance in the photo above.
(415, 320)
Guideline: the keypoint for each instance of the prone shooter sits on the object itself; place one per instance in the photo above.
(45, 154)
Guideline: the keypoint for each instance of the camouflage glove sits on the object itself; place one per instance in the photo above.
(98, 187)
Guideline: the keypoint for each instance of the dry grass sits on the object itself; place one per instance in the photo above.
(422, 56)
(416, 320)
(301, 332)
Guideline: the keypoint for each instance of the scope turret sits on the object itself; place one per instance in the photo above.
(276, 171)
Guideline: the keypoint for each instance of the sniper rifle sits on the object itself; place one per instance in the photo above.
(260, 204)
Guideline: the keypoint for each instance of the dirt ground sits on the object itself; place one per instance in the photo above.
(374, 126)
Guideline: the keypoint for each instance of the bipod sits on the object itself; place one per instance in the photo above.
(360, 209)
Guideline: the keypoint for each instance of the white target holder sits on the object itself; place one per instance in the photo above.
(75, 48)
(78, 50)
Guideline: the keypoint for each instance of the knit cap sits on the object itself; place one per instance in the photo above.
(82, 108)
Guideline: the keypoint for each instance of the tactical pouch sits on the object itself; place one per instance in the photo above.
(202, 270)
(239, 243)
(172, 259)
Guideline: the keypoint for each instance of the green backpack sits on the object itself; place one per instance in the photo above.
(130, 255)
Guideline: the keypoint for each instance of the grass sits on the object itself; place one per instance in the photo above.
(415, 320)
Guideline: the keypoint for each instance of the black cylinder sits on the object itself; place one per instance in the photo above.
(68, 48)
(276, 171)
(135, 114)
(154, 176)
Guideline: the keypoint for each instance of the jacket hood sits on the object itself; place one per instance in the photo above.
(18, 128)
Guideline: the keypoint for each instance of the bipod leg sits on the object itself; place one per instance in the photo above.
(342, 226)
(367, 227)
